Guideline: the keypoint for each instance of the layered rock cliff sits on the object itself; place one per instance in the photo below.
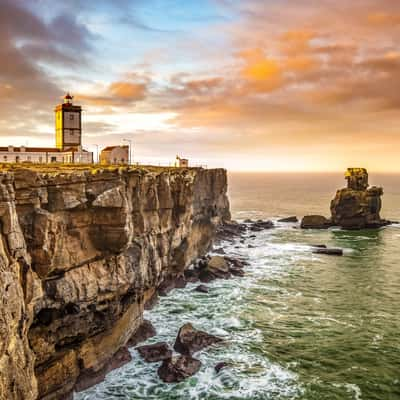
(80, 253)
(357, 206)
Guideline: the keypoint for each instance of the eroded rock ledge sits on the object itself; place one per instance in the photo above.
(80, 253)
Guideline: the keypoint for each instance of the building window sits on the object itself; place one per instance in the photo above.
(40, 159)
(17, 159)
(71, 117)
(72, 133)
(29, 158)
(53, 159)
(5, 158)
(115, 160)
(122, 160)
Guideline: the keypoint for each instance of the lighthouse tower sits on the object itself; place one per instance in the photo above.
(68, 125)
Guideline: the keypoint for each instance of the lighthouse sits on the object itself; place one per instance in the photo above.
(68, 125)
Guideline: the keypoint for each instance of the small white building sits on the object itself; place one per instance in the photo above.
(114, 155)
(181, 162)
(68, 141)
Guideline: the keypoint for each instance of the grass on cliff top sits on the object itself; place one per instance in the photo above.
(93, 168)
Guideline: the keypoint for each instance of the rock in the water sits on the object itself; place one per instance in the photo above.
(192, 275)
(218, 264)
(217, 267)
(219, 250)
(357, 207)
(319, 246)
(289, 219)
(261, 225)
(328, 251)
(178, 368)
(166, 287)
(190, 340)
(180, 282)
(145, 331)
(230, 230)
(315, 222)
(155, 352)
(220, 365)
(202, 289)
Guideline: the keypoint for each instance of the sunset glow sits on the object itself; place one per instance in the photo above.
(246, 85)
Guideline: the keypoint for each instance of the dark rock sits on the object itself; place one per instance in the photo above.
(319, 246)
(248, 221)
(145, 331)
(180, 282)
(217, 267)
(191, 340)
(230, 230)
(357, 207)
(220, 366)
(192, 275)
(289, 219)
(202, 289)
(219, 250)
(236, 271)
(328, 251)
(178, 368)
(236, 262)
(261, 225)
(250, 246)
(155, 352)
(166, 287)
(315, 222)
(89, 377)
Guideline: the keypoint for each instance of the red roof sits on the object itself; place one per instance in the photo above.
(110, 148)
(33, 149)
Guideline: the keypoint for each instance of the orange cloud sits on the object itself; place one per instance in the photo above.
(128, 90)
(384, 19)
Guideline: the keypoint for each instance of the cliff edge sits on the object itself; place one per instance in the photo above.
(81, 251)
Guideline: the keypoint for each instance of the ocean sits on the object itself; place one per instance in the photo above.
(298, 325)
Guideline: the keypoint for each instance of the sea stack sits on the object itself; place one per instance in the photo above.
(357, 206)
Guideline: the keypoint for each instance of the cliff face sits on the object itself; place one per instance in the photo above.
(80, 254)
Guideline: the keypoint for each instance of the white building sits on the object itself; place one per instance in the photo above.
(115, 155)
(68, 141)
(181, 162)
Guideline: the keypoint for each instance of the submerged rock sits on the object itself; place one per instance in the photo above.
(261, 225)
(289, 219)
(201, 289)
(357, 207)
(315, 222)
(220, 365)
(328, 251)
(191, 340)
(178, 368)
(155, 352)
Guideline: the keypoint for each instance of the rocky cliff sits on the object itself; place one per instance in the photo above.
(81, 251)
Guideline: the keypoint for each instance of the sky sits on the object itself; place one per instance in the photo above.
(255, 85)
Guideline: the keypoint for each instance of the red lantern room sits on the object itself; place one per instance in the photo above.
(68, 99)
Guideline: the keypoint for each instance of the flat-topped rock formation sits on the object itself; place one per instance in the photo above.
(357, 206)
(81, 251)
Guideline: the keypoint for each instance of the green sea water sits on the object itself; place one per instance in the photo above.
(298, 325)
